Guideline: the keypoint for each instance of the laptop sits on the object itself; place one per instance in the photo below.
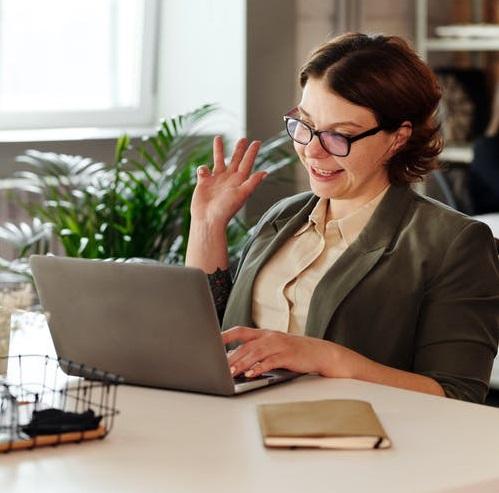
(152, 324)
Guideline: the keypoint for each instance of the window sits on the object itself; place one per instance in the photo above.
(76, 63)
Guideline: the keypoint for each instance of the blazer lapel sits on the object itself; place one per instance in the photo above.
(333, 288)
(272, 235)
(340, 279)
(356, 262)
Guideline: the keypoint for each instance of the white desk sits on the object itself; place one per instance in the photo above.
(179, 442)
(492, 220)
(166, 441)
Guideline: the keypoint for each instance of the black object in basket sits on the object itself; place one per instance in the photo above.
(49, 401)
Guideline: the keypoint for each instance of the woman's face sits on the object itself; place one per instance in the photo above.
(357, 177)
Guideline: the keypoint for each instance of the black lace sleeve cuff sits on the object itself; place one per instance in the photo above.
(221, 285)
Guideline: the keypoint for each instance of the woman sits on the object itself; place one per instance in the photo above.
(361, 277)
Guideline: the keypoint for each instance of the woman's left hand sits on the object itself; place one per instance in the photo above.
(263, 350)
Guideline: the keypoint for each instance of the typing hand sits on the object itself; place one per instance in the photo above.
(263, 350)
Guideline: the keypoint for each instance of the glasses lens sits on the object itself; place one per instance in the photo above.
(298, 131)
(335, 143)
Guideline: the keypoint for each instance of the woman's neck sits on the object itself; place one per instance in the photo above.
(340, 208)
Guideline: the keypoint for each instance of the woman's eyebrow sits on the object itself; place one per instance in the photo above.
(337, 124)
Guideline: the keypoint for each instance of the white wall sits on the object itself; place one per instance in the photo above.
(242, 54)
(239, 54)
(202, 59)
(388, 17)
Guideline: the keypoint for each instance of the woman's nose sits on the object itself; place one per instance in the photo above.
(314, 149)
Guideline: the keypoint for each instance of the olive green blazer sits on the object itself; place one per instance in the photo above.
(418, 290)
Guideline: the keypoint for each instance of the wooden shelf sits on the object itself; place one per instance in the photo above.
(462, 44)
(457, 154)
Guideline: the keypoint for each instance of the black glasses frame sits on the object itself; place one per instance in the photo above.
(320, 133)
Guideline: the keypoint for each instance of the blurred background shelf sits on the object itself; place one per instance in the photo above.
(464, 25)
(457, 154)
(458, 44)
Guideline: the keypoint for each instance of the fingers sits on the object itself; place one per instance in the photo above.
(263, 350)
(218, 155)
(243, 157)
(258, 346)
(269, 364)
(249, 186)
(246, 355)
(248, 160)
(238, 154)
(254, 360)
(203, 171)
(241, 334)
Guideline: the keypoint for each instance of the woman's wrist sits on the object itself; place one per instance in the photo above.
(208, 225)
(207, 246)
(333, 364)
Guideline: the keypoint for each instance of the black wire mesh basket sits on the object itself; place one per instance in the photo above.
(48, 401)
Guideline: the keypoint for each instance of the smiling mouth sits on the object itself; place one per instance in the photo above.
(324, 172)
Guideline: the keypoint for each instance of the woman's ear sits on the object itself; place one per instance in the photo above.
(402, 135)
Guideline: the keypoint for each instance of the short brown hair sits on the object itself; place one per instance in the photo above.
(384, 74)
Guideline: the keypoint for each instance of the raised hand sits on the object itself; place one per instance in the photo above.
(221, 193)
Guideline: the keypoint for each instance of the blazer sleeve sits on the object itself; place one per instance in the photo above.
(458, 331)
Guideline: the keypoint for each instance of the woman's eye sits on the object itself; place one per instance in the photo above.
(310, 124)
(341, 134)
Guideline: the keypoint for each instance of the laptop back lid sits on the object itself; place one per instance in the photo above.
(152, 324)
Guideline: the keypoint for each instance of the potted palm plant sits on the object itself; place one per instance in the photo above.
(137, 207)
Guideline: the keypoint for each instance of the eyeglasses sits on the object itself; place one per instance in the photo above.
(332, 142)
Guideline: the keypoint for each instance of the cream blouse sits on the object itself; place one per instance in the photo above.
(284, 286)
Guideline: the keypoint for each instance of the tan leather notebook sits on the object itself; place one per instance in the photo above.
(331, 423)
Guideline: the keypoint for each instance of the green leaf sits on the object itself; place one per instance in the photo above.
(83, 244)
(140, 204)
(122, 145)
